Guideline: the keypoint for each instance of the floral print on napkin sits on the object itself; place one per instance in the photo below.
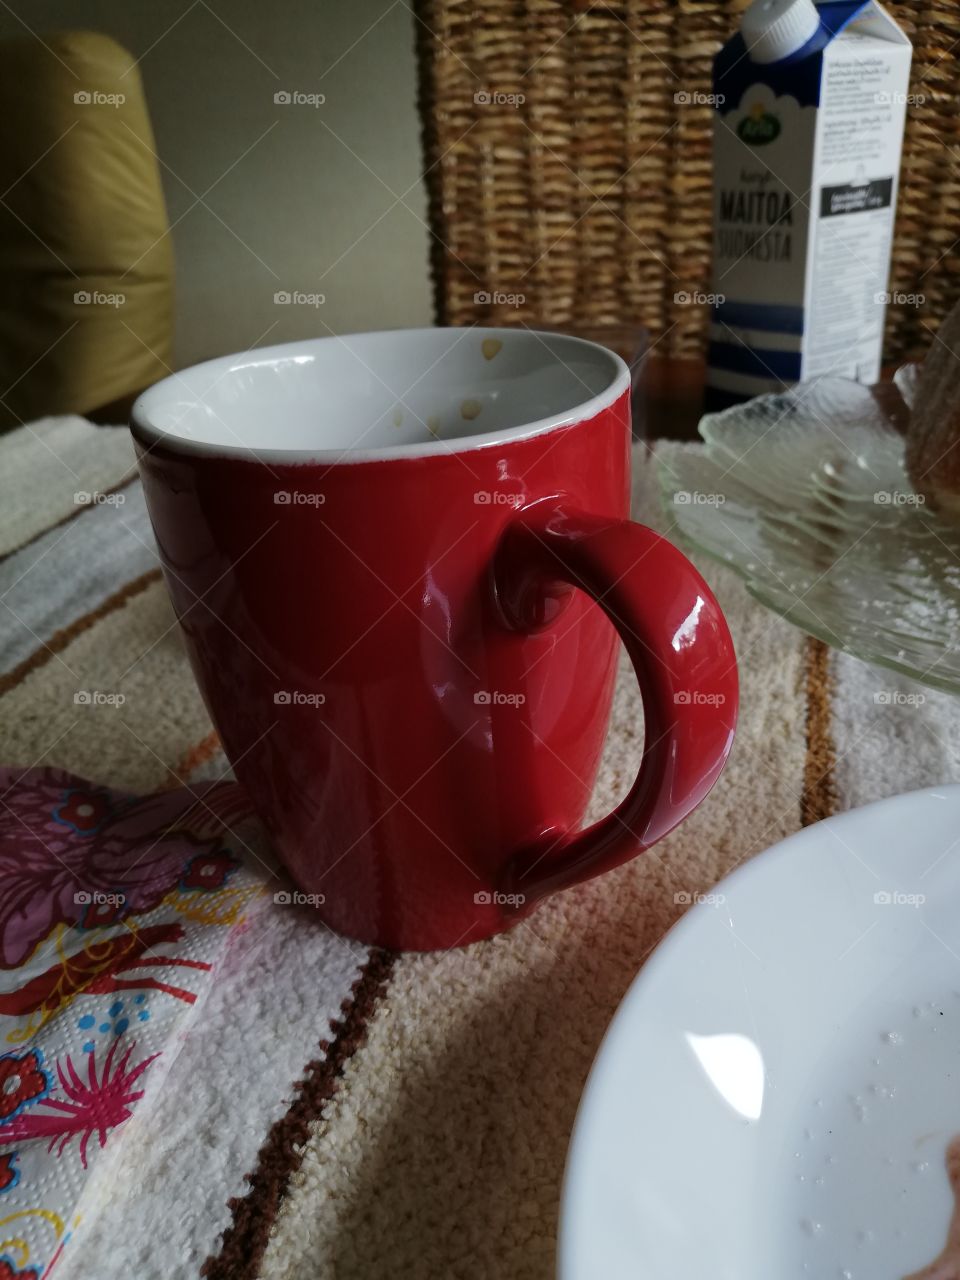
(113, 911)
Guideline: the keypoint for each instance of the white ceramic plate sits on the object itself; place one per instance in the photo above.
(775, 1097)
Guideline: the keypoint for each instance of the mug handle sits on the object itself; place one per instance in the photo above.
(683, 656)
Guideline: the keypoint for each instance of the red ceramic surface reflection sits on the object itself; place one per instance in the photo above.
(408, 688)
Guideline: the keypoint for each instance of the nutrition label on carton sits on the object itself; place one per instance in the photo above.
(852, 204)
(851, 253)
(859, 112)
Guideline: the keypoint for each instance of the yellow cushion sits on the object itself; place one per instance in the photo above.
(86, 267)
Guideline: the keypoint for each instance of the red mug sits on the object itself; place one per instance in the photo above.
(387, 553)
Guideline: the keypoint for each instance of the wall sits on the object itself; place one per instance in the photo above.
(271, 198)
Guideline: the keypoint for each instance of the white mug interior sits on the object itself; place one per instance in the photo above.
(399, 393)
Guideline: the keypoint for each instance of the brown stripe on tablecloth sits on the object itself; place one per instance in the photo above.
(245, 1240)
(71, 515)
(61, 639)
(198, 754)
(819, 797)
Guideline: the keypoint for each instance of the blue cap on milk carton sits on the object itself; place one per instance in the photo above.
(774, 29)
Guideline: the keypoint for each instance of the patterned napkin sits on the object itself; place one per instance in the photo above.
(114, 910)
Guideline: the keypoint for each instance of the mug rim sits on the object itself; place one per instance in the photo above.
(148, 431)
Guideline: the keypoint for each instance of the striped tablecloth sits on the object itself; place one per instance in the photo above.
(337, 1111)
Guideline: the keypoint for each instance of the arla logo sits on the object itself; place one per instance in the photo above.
(758, 127)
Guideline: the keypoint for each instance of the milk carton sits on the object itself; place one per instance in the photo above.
(810, 107)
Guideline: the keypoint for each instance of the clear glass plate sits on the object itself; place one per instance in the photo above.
(805, 495)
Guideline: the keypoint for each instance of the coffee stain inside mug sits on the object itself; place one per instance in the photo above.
(491, 347)
(470, 409)
(398, 417)
(433, 425)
